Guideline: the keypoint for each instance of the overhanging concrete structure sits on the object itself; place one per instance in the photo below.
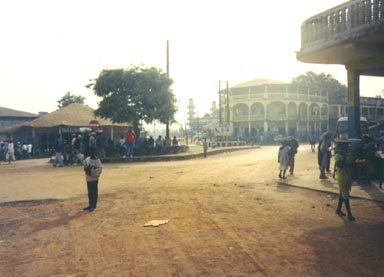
(351, 34)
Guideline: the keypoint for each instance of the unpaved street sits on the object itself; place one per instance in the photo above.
(228, 216)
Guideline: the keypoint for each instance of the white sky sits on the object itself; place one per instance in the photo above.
(51, 47)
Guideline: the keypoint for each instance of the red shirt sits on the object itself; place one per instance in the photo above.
(130, 136)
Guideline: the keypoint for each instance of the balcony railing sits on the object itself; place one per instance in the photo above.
(280, 96)
(355, 16)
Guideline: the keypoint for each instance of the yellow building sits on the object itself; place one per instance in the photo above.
(265, 108)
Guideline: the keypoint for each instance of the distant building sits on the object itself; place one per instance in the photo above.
(372, 108)
(10, 117)
(266, 108)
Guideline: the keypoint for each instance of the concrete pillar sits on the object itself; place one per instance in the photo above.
(265, 122)
(353, 106)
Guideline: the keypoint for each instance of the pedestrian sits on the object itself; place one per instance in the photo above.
(344, 163)
(205, 147)
(29, 146)
(151, 146)
(2, 152)
(130, 138)
(294, 144)
(283, 158)
(11, 151)
(312, 142)
(324, 154)
(175, 145)
(159, 145)
(24, 150)
(92, 168)
(58, 151)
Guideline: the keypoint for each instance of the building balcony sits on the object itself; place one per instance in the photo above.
(350, 34)
(277, 117)
(242, 118)
(257, 117)
(314, 118)
(282, 96)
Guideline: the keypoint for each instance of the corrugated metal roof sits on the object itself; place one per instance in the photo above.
(5, 112)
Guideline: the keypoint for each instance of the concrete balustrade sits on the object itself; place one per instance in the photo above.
(340, 22)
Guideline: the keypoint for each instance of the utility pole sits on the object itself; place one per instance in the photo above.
(167, 124)
(226, 109)
(227, 105)
(220, 109)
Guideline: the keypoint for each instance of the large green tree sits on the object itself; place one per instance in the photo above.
(322, 81)
(69, 98)
(135, 94)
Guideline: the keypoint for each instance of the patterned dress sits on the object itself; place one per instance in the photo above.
(344, 174)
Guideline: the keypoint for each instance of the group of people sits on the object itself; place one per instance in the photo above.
(131, 145)
(344, 164)
(10, 152)
(79, 146)
(286, 155)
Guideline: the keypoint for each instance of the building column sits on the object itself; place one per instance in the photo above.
(112, 134)
(265, 122)
(353, 106)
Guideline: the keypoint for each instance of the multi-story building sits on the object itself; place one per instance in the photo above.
(268, 108)
(372, 108)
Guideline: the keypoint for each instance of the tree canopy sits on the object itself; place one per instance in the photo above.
(69, 98)
(324, 81)
(135, 94)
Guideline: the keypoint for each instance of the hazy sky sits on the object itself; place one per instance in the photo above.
(51, 47)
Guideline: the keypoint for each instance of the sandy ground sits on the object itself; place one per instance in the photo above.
(227, 216)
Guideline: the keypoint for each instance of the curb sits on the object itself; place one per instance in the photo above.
(176, 157)
(329, 192)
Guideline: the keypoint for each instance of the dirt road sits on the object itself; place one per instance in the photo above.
(228, 216)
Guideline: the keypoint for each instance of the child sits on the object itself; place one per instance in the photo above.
(283, 158)
(344, 162)
(93, 168)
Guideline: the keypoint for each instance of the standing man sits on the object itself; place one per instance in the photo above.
(324, 154)
(29, 147)
(344, 163)
(11, 151)
(58, 150)
(294, 144)
(130, 138)
(93, 168)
